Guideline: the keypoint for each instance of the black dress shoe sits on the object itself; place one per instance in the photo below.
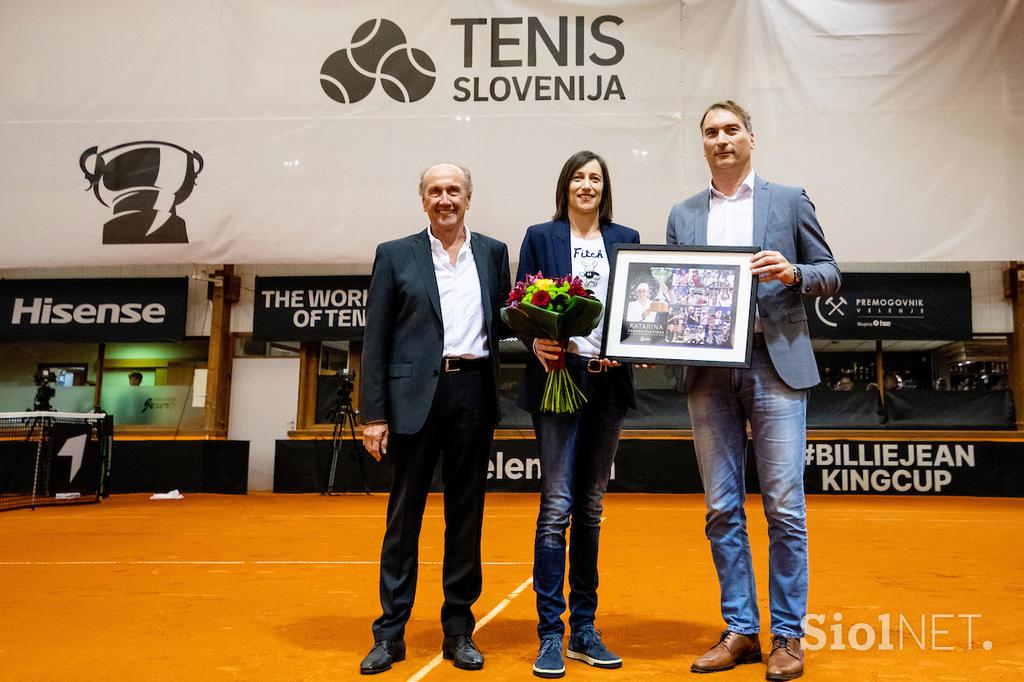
(382, 655)
(462, 652)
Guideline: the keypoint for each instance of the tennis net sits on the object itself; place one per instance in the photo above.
(54, 458)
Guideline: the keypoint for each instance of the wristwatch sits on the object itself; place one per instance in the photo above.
(798, 278)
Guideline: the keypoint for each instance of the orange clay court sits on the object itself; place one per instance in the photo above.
(284, 587)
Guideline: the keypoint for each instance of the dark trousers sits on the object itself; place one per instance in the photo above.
(459, 429)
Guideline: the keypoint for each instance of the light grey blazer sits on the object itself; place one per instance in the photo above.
(784, 221)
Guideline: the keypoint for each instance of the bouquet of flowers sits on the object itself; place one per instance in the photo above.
(554, 308)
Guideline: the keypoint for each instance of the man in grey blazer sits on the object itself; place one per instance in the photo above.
(429, 390)
(742, 209)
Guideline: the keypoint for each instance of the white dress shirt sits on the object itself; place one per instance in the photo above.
(731, 222)
(731, 219)
(462, 310)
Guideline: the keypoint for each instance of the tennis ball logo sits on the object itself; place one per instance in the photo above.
(378, 53)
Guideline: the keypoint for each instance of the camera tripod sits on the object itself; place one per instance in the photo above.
(345, 420)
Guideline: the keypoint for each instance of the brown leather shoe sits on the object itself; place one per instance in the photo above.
(732, 649)
(786, 662)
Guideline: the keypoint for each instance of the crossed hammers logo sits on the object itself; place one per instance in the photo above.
(835, 308)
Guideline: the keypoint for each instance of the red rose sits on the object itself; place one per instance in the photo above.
(517, 293)
(541, 299)
(576, 289)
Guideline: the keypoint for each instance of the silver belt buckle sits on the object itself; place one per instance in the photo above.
(594, 366)
(449, 367)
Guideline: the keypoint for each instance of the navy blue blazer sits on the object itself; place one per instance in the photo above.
(546, 249)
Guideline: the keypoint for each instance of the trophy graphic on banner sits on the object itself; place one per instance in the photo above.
(143, 182)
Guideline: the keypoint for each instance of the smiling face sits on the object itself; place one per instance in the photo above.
(586, 187)
(445, 197)
(727, 143)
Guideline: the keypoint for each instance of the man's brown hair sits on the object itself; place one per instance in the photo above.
(735, 108)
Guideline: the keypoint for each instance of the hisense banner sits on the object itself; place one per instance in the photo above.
(228, 131)
(93, 310)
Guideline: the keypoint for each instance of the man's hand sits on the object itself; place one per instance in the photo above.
(375, 439)
(769, 265)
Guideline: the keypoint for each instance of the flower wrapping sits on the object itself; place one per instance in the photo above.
(554, 308)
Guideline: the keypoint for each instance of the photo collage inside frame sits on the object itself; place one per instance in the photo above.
(681, 306)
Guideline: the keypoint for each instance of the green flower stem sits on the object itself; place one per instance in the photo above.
(561, 394)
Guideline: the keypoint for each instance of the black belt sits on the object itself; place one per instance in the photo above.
(592, 365)
(449, 365)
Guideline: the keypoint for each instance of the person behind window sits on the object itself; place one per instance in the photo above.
(892, 382)
(845, 383)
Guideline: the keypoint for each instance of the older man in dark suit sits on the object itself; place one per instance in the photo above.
(429, 389)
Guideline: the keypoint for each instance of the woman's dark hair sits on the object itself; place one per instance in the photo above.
(573, 164)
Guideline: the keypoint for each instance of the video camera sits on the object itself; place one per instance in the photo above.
(346, 384)
(44, 379)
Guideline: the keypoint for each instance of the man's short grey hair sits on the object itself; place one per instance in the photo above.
(465, 173)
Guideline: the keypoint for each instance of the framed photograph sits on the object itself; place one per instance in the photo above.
(690, 305)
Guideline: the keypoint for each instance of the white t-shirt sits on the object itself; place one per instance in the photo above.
(590, 264)
(636, 311)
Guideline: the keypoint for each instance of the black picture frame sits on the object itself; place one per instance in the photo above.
(698, 308)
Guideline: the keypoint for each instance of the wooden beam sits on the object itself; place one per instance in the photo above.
(309, 370)
(101, 352)
(355, 363)
(879, 371)
(223, 294)
(1015, 290)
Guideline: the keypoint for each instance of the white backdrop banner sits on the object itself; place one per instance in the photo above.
(212, 131)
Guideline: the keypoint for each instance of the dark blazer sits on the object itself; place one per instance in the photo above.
(404, 336)
(784, 221)
(546, 249)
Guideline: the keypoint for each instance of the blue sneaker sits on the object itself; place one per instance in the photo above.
(550, 664)
(585, 645)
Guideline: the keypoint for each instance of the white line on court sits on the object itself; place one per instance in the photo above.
(436, 661)
(234, 563)
(864, 519)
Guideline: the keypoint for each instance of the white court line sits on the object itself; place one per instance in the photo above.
(909, 512)
(862, 519)
(436, 661)
(235, 563)
(379, 516)
(694, 507)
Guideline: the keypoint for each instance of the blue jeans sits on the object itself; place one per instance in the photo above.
(576, 456)
(720, 402)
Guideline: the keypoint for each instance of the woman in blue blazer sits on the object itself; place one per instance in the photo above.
(576, 450)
